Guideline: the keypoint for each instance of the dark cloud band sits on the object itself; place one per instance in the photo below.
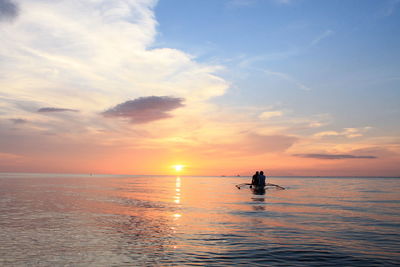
(18, 121)
(145, 109)
(48, 110)
(8, 10)
(333, 156)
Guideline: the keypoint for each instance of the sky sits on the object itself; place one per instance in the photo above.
(221, 87)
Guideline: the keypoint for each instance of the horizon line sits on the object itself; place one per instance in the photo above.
(219, 176)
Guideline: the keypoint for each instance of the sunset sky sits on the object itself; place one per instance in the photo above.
(221, 87)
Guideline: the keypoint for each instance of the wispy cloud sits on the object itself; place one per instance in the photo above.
(8, 10)
(346, 132)
(288, 78)
(321, 37)
(50, 109)
(145, 109)
(270, 143)
(245, 61)
(9, 156)
(18, 121)
(333, 156)
(251, 143)
(270, 114)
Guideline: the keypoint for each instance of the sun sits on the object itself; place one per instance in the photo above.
(178, 168)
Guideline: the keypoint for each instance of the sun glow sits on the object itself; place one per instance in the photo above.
(178, 168)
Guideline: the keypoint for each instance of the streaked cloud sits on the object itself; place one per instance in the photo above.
(246, 61)
(333, 156)
(9, 156)
(50, 109)
(327, 133)
(346, 132)
(270, 143)
(270, 114)
(8, 10)
(287, 77)
(321, 37)
(145, 109)
(248, 144)
(18, 121)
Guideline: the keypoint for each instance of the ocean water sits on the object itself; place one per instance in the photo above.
(108, 220)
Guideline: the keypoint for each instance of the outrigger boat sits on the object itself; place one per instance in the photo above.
(259, 188)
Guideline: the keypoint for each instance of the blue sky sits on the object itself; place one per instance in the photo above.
(344, 53)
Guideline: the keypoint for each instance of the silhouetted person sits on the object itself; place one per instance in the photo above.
(254, 181)
(261, 179)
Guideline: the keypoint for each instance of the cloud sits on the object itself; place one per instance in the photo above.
(145, 109)
(8, 10)
(270, 114)
(269, 143)
(49, 110)
(249, 144)
(322, 36)
(9, 156)
(118, 61)
(333, 156)
(18, 121)
(347, 132)
(246, 61)
(286, 77)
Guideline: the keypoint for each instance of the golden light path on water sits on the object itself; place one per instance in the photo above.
(177, 197)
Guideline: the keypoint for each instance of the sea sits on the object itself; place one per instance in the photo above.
(126, 220)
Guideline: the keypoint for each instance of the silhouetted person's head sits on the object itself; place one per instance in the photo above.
(257, 172)
(261, 172)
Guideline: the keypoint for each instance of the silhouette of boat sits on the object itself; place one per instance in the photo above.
(258, 188)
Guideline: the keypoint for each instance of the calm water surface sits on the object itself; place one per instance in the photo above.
(78, 220)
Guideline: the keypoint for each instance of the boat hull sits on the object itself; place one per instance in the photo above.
(258, 190)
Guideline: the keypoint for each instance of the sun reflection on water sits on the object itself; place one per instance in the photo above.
(177, 197)
(178, 182)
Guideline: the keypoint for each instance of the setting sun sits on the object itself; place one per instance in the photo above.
(178, 168)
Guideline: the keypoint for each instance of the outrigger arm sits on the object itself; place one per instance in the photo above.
(268, 184)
